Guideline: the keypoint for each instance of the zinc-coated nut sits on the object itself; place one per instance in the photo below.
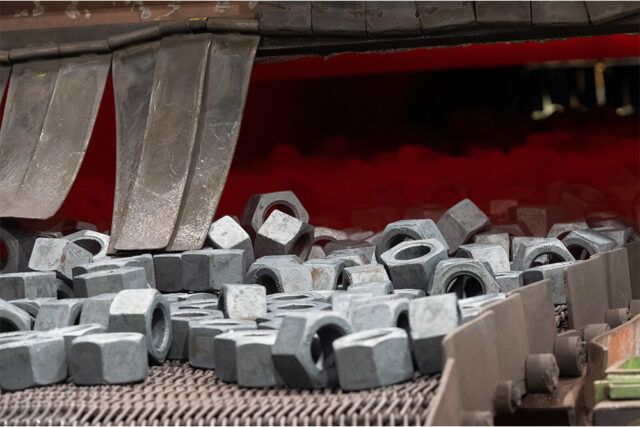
(168, 272)
(96, 243)
(243, 301)
(350, 257)
(17, 245)
(111, 358)
(464, 277)
(226, 233)
(234, 360)
(509, 280)
(411, 264)
(585, 243)
(496, 237)
(28, 285)
(561, 229)
(407, 230)
(430, 319)
(96, 310)
(556, 275)
(620, 235)
(491, 253)
(58, 314)
(470, 308)
(201, 341)
(316, 252)
(373, 358)
(290, 297)
(69, 333)
(109, 281)
(300, 363)
(208, 269)
(144, 311)
(282, 234)
(341, 301)
(258, 207)
(297, 307)
(33, 360)
(280, 276)
(322, 235)
(380, 314)
(409, 293)
(326, 274)
(352, 252)
(13, 318)
(31, 305)
(372, 288)
(144, 260)
(460, 222)
(180, 331)
(529, 251)
(360, 274)
(59, 255)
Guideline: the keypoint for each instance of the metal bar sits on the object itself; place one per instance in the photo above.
(225, 90)
(153, 205)
(65, 135)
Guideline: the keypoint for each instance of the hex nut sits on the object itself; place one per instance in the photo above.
(349, 257)
(561, 229)
(243, 301)
(280, 276)
(556, 275)
(322, 235)
(33, 360)
(411, 264)
(258, 207)
(360, 253)
(509, 280)
(491, 253)
(372, 288)
(290, 297)
(110, 358)
(294, 355)
(109, 281)
(144, 311)
(59, 255)
(69, 333)
(31, 305)
(460, 222)
(179, 349)
(13, 318)
(210, 305)
(96, 310)
(496, 237)
(282, 234)
(316, 253)
(18, 245)
(408, 230)
(620, 235)
(58, 314)
(373, 358)
(196, 270)
(96, 243)
(430, 319)
(537, 219)
(360, 274)
(326, 274)
(341, 302)
(470, 308)
(380, 314)
(168, 272)
(583, 244)
(28, 285)
(226, 233)
(298, 307)
(201, 343)
(530, 251)
(234, 360)
(409, 293)
(464, 277)
(144, 260)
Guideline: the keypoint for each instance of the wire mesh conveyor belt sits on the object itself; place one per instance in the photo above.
(562, 317)
(176, 394)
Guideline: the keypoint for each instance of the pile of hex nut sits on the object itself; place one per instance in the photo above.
(271, 301)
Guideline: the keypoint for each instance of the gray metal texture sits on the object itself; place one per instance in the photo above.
(539, 315)
(5, 72)
(587, 299)
(46, 131)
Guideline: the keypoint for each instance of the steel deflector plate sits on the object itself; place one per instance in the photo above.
(225, 89)
(154, 202)
(5, 72)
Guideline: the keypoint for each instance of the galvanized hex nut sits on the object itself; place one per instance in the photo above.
(372, 288)
(359, 253)
(243, 301)
(92, 241)
(282, 234)
(59, 255)
(409, 293)
(144, 311)
(493, 254)
(96, 310)
(201, 343)
(501, 238)
(530, 251)
(209, 269)
(109, 281)
(226, 233)
(464, 277)
(411, 264)
(373, 358)
(210, 305)
(180, 331)
(380, 314)
(470, 308)
(111, 358)
(408, 230)
(58, 314)
(233, 356)
(297, 360)
(561, 229)
(259, 206)
(28, 285)
(510, 280)
(350, 257)
(144, 260)
(31, 305)
(13, 318)
(168, 272)
(430, 319)
(585, 243)
(17, 244)
(69, 333)
(326, 274)
(322, 235)
(290, 297)
(297, 307)
(555, 274)
(360, 274)
(316, 253)
(33, 360)
(281, 276)
(341, 302)
(460, 222)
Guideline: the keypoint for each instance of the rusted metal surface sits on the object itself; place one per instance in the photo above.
(176, 394)
(586, 286)
(567, 399)
(633, 252)
(225, 89)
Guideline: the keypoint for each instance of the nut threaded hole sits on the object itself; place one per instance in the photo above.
(412, 252)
